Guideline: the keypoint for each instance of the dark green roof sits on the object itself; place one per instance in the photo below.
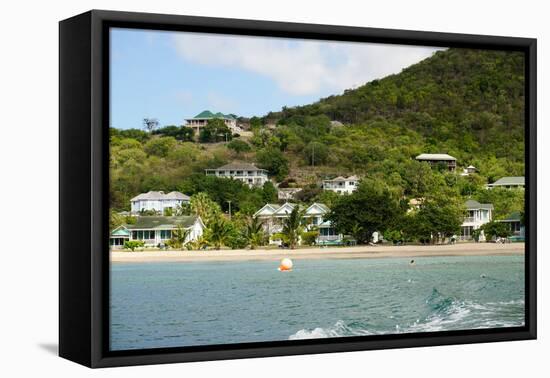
(474, 205)
(514, 216)
(513, 180)
(208, 114)
(147, 222)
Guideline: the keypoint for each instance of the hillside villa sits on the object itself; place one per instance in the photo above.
(438, 159)
(155, 231)
(245, 172)
(201, 120)
(514, 182)
(478, 215)
(157, 201)
(341, 185)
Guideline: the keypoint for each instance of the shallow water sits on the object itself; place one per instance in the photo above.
(181, 304)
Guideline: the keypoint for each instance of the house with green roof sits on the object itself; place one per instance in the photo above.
(515, 223)
(156, 230)
(201, 120)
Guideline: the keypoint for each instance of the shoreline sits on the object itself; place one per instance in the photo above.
(356, 252)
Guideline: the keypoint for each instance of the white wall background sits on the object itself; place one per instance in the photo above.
(29, 188)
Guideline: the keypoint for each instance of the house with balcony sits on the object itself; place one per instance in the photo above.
(201, 120)
(477, 215)
(341, 185)
(247, 173)
(157, 202)
(156, 231)
(512, 182)
(273, 216)
(436, 160)
(328, 235)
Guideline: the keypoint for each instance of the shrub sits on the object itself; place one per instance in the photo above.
(133, 244)
(309, 237)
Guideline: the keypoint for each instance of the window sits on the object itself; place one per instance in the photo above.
(165, 234)
(467, 232)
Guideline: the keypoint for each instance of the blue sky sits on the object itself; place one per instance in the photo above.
(172, 75)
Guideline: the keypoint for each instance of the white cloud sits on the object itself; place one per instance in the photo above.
(301, 67)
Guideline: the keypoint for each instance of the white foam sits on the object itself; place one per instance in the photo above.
(339, 329)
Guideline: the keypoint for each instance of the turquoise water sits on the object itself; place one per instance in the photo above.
(181, 304)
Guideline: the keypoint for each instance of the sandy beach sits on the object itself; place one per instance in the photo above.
(460, 249)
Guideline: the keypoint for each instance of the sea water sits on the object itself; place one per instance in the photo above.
(174, 304)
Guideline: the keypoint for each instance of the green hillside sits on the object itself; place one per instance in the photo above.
(467, 103)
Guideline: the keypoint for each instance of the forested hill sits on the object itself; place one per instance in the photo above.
(465, 102)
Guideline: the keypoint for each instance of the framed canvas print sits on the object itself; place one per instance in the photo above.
(234, 188)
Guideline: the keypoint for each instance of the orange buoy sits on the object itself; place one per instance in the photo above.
(286, 265)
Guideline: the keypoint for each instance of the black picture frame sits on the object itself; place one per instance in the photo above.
(83, 180)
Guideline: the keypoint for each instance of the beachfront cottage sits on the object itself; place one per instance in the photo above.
(438, 159)
(156, 231)
(514, 182)
(157, 201)
(341, 185)
(245, 172)
(201, 120)
(478, 215)
(328, 235)
(516, 226)
(273, 216)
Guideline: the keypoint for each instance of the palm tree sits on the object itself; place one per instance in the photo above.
(255, 233)
(292, 227)
(218, 232)
(179, 236)
(183, 209)
(204, 207)
(197, 244)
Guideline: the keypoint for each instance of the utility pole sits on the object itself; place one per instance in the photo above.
(229, 202)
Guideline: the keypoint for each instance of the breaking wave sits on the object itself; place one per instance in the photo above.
(445, 313)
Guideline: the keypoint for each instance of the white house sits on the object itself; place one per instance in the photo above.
(328, 235)
(247, 173)
(201, 120)
(157, 201)
(341, 185)
(273, 215)
(155, 231)
(513, 182)
(478, 215)
(437, 159)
